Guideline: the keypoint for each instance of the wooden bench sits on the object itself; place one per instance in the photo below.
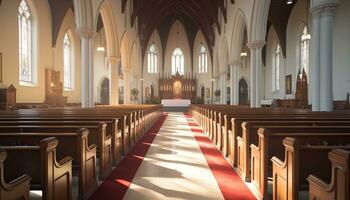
(339, 186)
(75, 144)
(270, 143)
(249, 136)
(290, 176)
(53, 177)
(97, 135)
(18, 188)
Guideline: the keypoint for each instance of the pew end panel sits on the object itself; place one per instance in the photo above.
(88, 181)
(339, 187)
(15, 189)
(57, 176)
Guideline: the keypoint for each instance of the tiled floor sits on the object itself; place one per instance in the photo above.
(174, 167)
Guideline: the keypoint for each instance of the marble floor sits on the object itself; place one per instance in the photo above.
(174, 167)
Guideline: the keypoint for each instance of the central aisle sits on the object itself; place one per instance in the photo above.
(174, 167)
(174, 160)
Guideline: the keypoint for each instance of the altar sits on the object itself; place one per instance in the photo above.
(176, 105)
(177, 87)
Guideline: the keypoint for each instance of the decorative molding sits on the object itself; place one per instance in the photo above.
(86, 32)
(324, 8)
(256, 45)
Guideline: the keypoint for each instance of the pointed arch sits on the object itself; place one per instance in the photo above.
(224, 59)
(124, 51)
(240, 28)
(110, 27)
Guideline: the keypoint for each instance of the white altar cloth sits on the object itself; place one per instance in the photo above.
(176, 102)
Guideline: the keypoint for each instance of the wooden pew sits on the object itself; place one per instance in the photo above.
(249, 136)
(17, 188)
(112, 128)
(97, 135)
(290, 176)
(39, 162)
(339, 186)
(270, 143)
(75, 144)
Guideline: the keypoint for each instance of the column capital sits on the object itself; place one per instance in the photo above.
(324, 7)
(256, 45)
(86, 32)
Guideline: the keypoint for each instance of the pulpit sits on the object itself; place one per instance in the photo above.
(177, 87)
(54, 89)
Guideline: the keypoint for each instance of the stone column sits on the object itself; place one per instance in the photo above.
(235, 66)
(223, 88)
(322, 54)
(232, 84)
(113, 80)
(255, 73)
(87, 69)
(127, 85)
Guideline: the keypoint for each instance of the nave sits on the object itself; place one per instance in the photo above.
(175, 160)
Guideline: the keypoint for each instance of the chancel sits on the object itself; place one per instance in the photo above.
(174, 99)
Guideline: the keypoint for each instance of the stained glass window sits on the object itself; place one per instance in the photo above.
(152, 60)
(67, 62)
(25, 44)
(203, 60)
(304, 50)
(276, 69)
(178, 62)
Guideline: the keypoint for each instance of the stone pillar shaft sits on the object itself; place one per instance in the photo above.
(113, 80)
(87, 69)
(322, 46)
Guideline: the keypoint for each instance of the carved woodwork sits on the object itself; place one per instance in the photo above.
(301, 94)
(7, 98)
(16, 189)
(54, 89)
(177, 87)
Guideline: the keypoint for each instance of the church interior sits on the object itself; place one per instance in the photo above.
(175, 99)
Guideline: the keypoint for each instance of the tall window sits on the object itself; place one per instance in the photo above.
(67, 62)
(178, 62)
(152, 60)
(304, 50)
(25, 44)
(203, 60)
(276, 69)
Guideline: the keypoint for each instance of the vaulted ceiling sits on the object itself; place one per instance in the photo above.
(160, 14)
(279, 13)
(59, 9)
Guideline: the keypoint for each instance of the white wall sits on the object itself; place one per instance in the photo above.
(341, 50)
(172, 44)
(68, 26)
(204, 78)
(9, 47)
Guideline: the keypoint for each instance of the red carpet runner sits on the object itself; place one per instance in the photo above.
(116, 185)
(230, 184)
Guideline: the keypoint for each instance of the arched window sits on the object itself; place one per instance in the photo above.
(178, 62)
(26, 67)
(152, 60)
(67, 62)
(203, 60)
(276, 69)
(304, 50)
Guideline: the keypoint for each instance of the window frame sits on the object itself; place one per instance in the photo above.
(152, 59)
(276, 69)
(203, 60)
(305, 50)
(26, 36)
(67, 46)
(178, 62)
